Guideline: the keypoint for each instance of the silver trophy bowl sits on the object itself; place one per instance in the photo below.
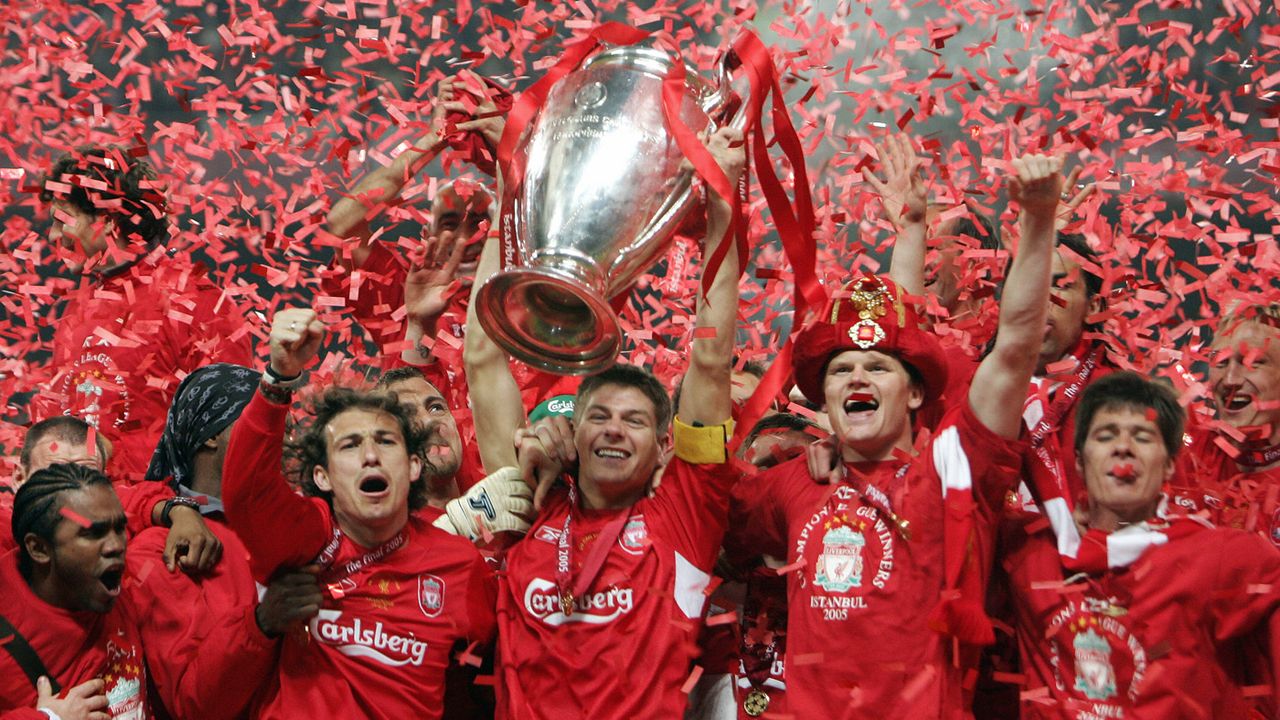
(603, 191)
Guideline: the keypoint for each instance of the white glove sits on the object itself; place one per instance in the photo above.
(502, 502)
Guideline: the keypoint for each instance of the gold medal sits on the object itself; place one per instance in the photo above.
(756, 703)
(566, 603)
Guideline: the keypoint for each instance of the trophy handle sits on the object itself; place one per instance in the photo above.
(726, 107)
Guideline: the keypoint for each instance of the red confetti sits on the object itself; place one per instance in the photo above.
(75, 517)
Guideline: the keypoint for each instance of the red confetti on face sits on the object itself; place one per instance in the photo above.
(75, 517)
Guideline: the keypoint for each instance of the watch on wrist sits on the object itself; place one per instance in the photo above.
(173, 502)
(272, 377)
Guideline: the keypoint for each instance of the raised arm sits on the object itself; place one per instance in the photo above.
(495, 398)
(1000, 383)
(705, 396)
(904, 199)
(350, 215)
(279, 527)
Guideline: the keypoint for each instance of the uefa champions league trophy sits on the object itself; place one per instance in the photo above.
(603, 191)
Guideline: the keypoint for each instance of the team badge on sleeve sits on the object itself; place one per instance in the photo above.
(430, 595)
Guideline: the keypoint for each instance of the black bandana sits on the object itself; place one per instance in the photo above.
(207, 402)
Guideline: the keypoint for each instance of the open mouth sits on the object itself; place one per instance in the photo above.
(374, 485)
(860, 402)
(612, 454)
(1236, 401)
(111, 580)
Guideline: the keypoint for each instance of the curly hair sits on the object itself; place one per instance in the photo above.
(309, 449)
(129, 181)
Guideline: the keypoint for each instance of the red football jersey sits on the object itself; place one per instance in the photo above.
(74, 647)
(381, 643)
(859, 591)
(204, 649)
(1144, 641)
(627, 647)
(1238, 499)
(122, 347)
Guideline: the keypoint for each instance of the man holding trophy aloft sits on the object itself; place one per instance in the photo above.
(601, 602)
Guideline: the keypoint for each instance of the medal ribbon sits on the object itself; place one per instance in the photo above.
(571, 589)
(326, 557)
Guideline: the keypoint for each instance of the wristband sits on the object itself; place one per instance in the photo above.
(275, 394)
(173, 502)
(275, 378)
(52, 715)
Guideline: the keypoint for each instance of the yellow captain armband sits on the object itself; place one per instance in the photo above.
(703, 445)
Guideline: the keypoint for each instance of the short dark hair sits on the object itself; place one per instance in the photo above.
(37, 506)
(753, 367)
(1129, 390)
(630, 376)
(129, 180)
(400, 374)
(310, 450)
(63, 427)
(780, 421)
(976, 225)
(1078, 245)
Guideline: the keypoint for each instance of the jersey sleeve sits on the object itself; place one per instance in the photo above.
(694, 491)
(758, 515)
(965, 453)
(176, 620)
(1246, 596)
(279, 527)
(140, 500)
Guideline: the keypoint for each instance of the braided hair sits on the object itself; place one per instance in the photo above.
(37, 506)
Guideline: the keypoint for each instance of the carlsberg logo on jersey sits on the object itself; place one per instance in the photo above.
(355, 639)
(542, 600)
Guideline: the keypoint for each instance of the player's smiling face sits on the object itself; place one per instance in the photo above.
(619, 443)
(869, 398)
(1245, 377)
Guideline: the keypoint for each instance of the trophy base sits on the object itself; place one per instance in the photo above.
(549, 321)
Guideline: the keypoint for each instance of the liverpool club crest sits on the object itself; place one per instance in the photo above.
(430, 595)
(1094, 675)
(839, 567)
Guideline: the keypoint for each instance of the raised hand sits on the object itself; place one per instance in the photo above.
(432, 281)
(1035, 183)
(903, 194)
(1072, 199)
(295, 339)
(479, 106)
